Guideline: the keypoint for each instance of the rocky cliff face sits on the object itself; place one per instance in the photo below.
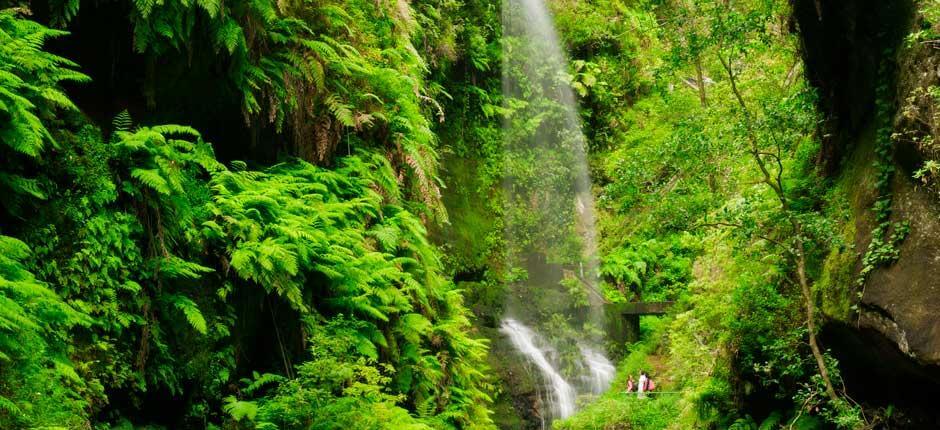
(844, 44)
(886, 333)
(903, 301)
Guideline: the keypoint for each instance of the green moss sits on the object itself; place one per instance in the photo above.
(847, 206)
(474, 230)
(835, 285)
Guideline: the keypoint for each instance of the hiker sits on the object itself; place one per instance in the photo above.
(630, 384)
(641, 388)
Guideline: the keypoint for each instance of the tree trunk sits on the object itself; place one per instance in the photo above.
(810, 307)
(700, 78)
(776, 184)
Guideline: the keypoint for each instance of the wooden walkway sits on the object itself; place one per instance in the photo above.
(623, 319)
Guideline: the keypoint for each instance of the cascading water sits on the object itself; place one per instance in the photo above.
(561, 399)
(549, 217)
(600, 370)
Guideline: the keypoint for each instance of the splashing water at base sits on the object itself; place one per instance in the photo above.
(562, 396)
(601, 371)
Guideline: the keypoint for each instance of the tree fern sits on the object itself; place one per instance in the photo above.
(328, 242)
(294, 221)
(304, 68)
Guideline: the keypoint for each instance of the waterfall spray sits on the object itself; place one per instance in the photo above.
(600, 370)
(549, 220)
(562, 396)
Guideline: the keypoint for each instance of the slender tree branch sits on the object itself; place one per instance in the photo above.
(735, 225)
(798, 239)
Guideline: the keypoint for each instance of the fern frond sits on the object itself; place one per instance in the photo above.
(175, 267)
(152, 179)
(122, 122)
(176, 130)
(240, 410)
(190, 310)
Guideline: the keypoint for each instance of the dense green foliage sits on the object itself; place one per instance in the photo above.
(157, 273)
(328, 246)
(709, 195)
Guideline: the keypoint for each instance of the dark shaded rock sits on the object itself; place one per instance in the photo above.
(889, 347)
(843, 42)
(516, 405)
(879, 375)
(903, 301)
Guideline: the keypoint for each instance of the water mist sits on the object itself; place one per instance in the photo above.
(549, 219)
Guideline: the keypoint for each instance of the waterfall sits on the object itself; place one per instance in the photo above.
(600, 370)
(536, 90)
(562, 395)
(549, 219)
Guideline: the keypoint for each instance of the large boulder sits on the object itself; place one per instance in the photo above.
(902, 301)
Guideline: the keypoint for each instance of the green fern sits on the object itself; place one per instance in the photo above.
(295, 221)
(152, 179)
(155, 251)
(122, 122)
(30, 94)
(28, 311)
(240, 410)
(175, 267)
(190, 310)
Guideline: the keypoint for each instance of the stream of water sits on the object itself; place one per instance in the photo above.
(550, 220)
(561, 397)
(600, 371)
(551, 214)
